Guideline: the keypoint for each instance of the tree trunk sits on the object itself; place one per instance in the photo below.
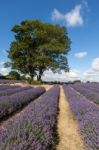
(39, 77)
(41, 70)
(32, 76)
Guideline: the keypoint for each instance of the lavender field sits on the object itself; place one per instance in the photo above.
(87, 115)
(36, 125)
(49, 75)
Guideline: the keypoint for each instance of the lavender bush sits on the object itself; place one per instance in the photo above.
(34, 128)
(6, 87)
(12, 90)
(10, 104)
(91, 86)
(88, 92)
(87, 115)
(5, 81)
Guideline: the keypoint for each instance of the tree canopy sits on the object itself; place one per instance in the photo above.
(38, 47)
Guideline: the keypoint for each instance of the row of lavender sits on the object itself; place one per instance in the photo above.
(92, 86)
(5, 81)
(6, 87)
(34, 128)
(14, 102)
(86, 90)
(87, 115)
(11, 90)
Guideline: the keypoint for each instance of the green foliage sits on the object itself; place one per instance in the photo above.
(77, 81)
(2, 76)
(37, 47)
(22, 77)
(13, 75)
(34, 82)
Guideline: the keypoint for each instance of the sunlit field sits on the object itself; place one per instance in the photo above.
(49, 74)
(49, 117)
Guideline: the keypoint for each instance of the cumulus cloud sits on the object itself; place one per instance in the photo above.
(91, 74)
(95, 64)
(57, 15)
(80, 54)
(4, 71)
(63, 77)
(73, 74)
(74, 17)
(2, 63)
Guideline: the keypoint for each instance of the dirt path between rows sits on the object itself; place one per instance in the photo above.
(46, 86)
(69, 138)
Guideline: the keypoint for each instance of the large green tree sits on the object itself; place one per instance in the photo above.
(38, 47)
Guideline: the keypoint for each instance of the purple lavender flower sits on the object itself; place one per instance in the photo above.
(87, 115)
(10, 104)
(34, 128)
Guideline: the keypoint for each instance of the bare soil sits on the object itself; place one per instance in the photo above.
(69, 137)
(46, 86)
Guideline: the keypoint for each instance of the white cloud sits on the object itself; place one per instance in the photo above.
(63, 77)
(74, 17)
(73, 74)
(95, 64)
(56, 15)
(80, 54)
(92, 74)
(4, 71)
(2, 63)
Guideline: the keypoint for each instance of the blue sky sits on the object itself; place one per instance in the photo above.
(79, 16)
